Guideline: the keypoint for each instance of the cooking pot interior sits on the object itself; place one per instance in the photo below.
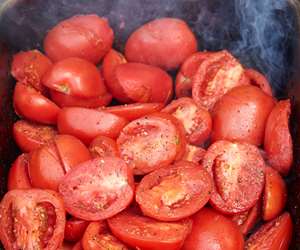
(263, 34)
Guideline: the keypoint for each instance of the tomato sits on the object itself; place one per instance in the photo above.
(29, 67)
(87, 36)
(238, 173)
(151, 142)
(278, 141)
(274, 235)
(145, 233)
(247, 220)
(63, 100)
(134, 111)
(77, 246)
(110, 62)
(212, 230)
(259, 80)
(194, 154)
(174, 192)
(215, 76)
(163, 42)
(142, 83)
(103, 146)
(187, 70)
(97, 189)
(76, 77)
(197, 121)
(18, 174)
(275, 195)
(32, 219)
(66, 246)
(97, 237)
(32, 105)
(75, 229)
(86, 124)
(241, 115)
(30, 136)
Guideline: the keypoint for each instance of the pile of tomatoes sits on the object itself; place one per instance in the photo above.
(204, 171)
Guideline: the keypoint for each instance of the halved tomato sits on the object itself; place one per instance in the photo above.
(278, 141)
(75, 229)
(32, 219)
(77, 246)
(86, 124)
(151, 142)
(30, 136)
(259, 80)
(174, 192)
(238, 173)
(145, 233)
(274, 235)
(103, 146)
(97, 189)
(197, 121)
(31, 104)
(18, 174)
(194, 154)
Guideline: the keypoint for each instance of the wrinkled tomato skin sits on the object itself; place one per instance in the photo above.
(278, 143)
(87, 36)
(213, 231)
(30, 136)
(103, 146)
(18, 174)
(155, 42)
(86, 124)
(29, 67)
(241, 115)
(274, 235)
(75, 229)
(30, 104)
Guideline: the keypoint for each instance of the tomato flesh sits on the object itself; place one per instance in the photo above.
(75, 229)
(258, 79)
(194, 154)
(103, 146)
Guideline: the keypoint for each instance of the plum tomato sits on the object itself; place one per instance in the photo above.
(259, 80)
(75, 229)
(103, 146)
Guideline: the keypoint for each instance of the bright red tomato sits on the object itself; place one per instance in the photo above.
(278, 141)
(259, 80)
(29, 68)
(103, 146)
(32, 219)
(174, 192)
(219, 73)
(194, 154)
(151, 142)
(32, 105)
(163, 42)
(97, 189)
(275, 195)
(238, 173)
(86, 124)
(197, 121)
(241, 115)
(274, 235)
(134, 111)
(77, 246)
(18, 174)
(145, 233)
(30, 136)
(75, 229)
(87, 36)
(213, 231)
(76, 77)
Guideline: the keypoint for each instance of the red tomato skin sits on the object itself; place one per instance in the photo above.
(63, 100)
(77, 246)
(29, 67)
(86, 124)
(134, 111)
(155, 41)
(274, 235)
(76, 77)
(259, 80)
(103, 146)
(87, 36)
(30, 136)
(213, 231)
(32, 105)
(241, 115)
(75, 229)
(275, 195)
(18, 174)
(278, 141)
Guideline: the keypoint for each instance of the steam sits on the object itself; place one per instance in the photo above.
(259, 32)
